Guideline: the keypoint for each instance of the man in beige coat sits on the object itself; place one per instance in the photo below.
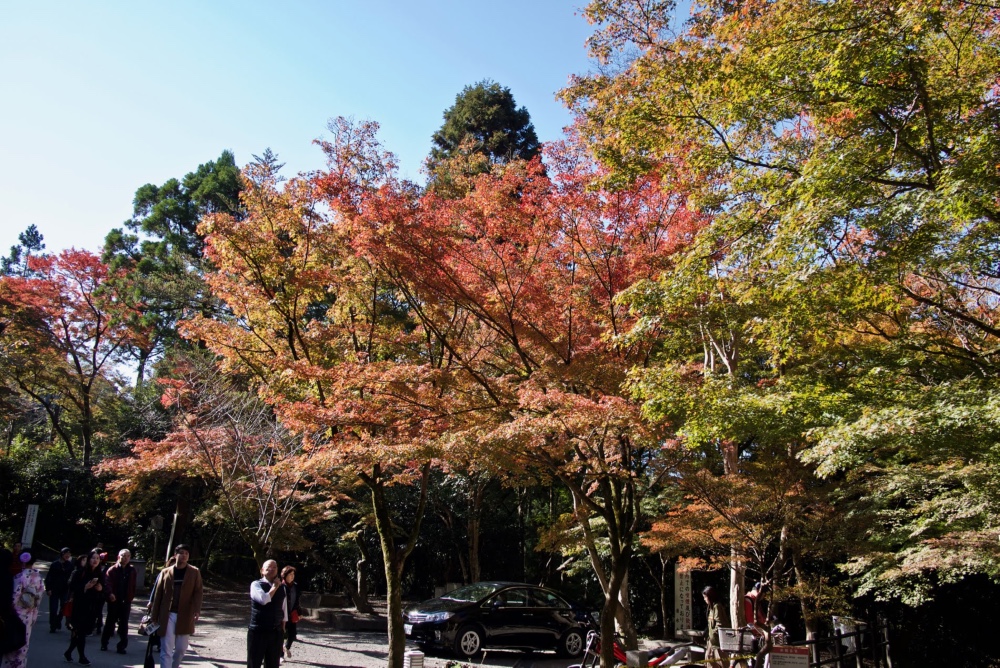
(176, 607)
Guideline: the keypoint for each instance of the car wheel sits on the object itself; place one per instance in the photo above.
(468, 641)
(571, 644)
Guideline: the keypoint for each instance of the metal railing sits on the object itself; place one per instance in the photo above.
(867, 647)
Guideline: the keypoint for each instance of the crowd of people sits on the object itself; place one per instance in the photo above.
(80, 588)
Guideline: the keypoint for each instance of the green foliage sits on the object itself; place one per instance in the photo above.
(161, 251)
(842, 305)
(72, 504)
(30, 242)
(485, 120)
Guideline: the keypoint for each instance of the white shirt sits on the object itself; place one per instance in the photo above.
(260, 595)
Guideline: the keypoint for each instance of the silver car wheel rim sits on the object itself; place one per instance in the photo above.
(470, 642)
(574, 643)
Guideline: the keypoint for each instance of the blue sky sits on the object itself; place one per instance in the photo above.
(99, 98)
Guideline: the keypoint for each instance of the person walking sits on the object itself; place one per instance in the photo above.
(86, 587)
(57, 587)
(292, 605)
(119, 594)
(28, 588)
(267, 618)
(154, 639)
(99, 619)
(718, 617)
(176, 607)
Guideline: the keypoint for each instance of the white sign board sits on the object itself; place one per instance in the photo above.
(29, 526)
(683, 616)
(784, 656)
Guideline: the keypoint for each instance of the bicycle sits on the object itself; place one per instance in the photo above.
(689, 654)
(681, 655)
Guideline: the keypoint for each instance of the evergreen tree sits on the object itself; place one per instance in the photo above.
(30, 242)
(485, 120)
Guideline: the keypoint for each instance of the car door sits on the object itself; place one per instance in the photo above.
(552, 617)
(526, 618)
(503, 618)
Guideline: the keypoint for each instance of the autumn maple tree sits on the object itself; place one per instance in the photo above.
(325, 337)
(65, 328)
(514, 285)
(229, 441)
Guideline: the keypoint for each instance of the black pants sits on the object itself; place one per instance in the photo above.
(77, 641)
(118, 613)
(56, 604)
(290, 634)
(99, 619)
(264, 646)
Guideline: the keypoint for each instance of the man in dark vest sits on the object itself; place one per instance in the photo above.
(119, 592)
(267, 618)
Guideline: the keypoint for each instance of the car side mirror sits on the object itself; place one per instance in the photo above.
(497, 603)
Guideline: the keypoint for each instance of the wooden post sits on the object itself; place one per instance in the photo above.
(839, 648)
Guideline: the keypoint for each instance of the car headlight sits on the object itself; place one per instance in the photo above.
(440, 616)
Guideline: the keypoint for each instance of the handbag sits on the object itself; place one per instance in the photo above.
(294, 617)
(147, 627)
(67, 610)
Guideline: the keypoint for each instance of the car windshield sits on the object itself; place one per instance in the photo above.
(473, 592)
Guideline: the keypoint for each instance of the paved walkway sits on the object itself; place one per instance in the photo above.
(220, 642)
(45, 649)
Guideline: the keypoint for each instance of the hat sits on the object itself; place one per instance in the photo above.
(65, 550)
(25, 557)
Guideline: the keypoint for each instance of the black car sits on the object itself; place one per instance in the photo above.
(498, 614)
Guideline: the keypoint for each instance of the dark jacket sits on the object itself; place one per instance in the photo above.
(121, 580)
(86, 603)
(292, 597)
(57, 579)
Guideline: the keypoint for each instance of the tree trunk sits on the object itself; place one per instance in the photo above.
(665, 603)
(391, 565)
(477, 490)
(737, 567)
(393, 557)
(737, 589)
(611, 611)
(87, 431)
(626, 625)
(360, 594)
(808, 616)
(140, 372)
(522, 525)
(360, 599)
